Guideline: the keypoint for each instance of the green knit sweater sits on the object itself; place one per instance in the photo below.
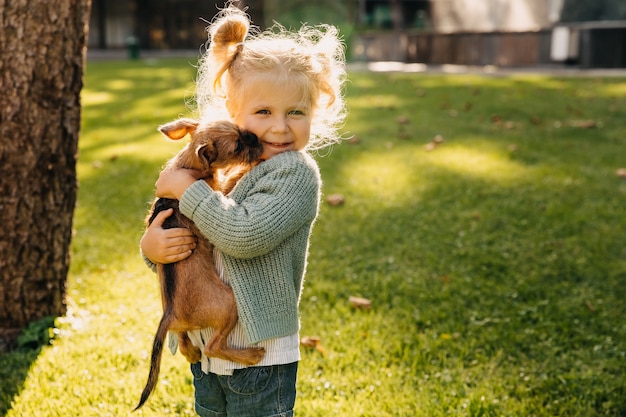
(262, 229)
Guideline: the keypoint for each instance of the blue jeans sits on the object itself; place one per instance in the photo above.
(257, 391)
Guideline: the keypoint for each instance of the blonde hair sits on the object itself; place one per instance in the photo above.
(310, 59)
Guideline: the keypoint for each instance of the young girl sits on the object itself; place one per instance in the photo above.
(286, 87)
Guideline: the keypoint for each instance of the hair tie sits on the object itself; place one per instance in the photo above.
(238, 48)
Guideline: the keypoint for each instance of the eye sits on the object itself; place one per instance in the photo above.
(264, 111)
(296, 112)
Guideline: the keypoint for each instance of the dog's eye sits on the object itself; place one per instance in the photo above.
(239, 147)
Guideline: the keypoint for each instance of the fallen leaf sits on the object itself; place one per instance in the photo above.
(358, 302)
(621, 172)
(310, 341)
(314, 342)
(583, 124)
(573, 110)
(335, 199)
(403, 120)
(436, 141)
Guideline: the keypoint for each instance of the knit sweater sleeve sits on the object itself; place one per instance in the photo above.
(148, 262)
(269, 204)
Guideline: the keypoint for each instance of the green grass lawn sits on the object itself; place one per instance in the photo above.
(495, 263)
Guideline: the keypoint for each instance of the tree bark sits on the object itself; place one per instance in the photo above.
(42, 44)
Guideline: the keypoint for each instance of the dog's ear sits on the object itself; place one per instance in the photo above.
(178, 129)
(206, 153)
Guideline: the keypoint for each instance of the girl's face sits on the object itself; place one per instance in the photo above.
(278, 115)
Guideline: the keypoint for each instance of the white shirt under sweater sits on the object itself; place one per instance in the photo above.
(279, 351)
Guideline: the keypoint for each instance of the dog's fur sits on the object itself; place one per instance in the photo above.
(193, 295)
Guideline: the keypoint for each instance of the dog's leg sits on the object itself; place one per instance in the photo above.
(218, 347)
(187, 349)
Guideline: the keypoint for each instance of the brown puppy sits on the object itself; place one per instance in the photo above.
(193, 295)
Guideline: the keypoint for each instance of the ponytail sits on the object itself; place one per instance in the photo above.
(226, 36)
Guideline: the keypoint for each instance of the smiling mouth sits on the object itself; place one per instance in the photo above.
(278, 145)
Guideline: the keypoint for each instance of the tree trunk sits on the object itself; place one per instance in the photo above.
(41, 75)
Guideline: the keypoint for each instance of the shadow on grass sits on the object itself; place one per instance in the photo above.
(16, 362)
(14, 368)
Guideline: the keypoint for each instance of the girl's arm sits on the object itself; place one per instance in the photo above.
(281, 196)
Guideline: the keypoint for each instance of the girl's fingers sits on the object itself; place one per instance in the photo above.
(179, 257)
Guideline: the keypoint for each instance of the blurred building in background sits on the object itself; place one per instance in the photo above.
(155, 24)
(585, 33)
(511, 33)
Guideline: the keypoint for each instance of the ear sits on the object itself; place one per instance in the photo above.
(178, 129)
(206, 153)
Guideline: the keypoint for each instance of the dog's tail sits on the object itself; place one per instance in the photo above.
(155, 360)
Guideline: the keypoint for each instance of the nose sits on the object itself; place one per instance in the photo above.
(280, 124)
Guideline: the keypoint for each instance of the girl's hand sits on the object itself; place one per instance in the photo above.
(172, 183)
(164, 246)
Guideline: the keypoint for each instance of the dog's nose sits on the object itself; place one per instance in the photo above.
(249, 138)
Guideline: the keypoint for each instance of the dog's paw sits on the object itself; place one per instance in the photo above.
(191, 353)
(255, 355)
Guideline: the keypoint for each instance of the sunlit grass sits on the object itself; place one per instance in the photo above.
(480, 164)
(495, 261)
(617, 90)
